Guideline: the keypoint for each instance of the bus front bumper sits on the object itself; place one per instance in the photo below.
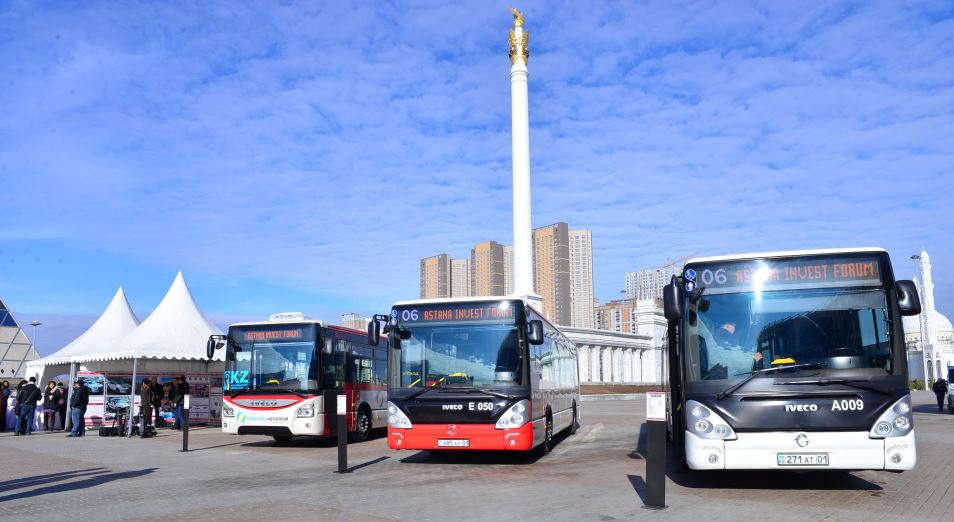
(844, 451)
(461, 437)
(278, 422)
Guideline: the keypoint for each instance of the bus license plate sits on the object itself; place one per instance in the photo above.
(802, 459)
(453, 443)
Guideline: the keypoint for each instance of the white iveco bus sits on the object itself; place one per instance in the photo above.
(282, 377)
(790, 360)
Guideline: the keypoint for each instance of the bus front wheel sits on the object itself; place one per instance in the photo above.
(544, 447)
(362, 425)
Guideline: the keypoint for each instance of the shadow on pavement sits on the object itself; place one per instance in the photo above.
(313, 441)
(366, 464)
(481, 457)
(86, 483)
(36, 480)
(639, 485)
(929, 408)
(213, 447)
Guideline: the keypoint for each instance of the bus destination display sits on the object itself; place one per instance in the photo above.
(455, 312)
(803, 273)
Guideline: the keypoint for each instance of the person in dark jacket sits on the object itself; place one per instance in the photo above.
(5, 397)
(49, 406)
(182, 389)
(145, 405)
(27, 398)
(78, 402)
(157, 394)
(61, 403)
(171, 395)
(940, 390)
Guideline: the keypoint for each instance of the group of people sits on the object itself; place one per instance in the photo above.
(54, 401)
(27, 396)
(150, 401)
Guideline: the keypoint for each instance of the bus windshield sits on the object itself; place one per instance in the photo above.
(466, 355)
(277, 358)
(731, 335)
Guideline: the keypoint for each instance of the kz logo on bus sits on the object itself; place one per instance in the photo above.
(801, 407)
(236, 379)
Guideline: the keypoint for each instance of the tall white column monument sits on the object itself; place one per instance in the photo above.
(522, 230)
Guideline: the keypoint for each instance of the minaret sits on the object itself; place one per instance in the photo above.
(522, 231)
(927, 297)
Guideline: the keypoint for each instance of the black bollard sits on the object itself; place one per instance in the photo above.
(655, 450)
(185, 425)
(342, 428)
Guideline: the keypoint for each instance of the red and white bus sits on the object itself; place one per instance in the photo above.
(477, 374)
(282, 377)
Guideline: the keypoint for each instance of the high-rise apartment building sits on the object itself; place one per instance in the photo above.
(508, 270)
(582, 314)
(460, 277)
(617, 316)
(648, 283)
(551, 271)
(355, 320)
(435, 276)
(487, 269)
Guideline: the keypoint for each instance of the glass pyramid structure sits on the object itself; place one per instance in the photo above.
(15, 348)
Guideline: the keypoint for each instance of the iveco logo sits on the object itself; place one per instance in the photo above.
(453, 406)
(801, 407)
(262, 404)
(802, 440)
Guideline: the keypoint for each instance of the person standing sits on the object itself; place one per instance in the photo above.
(145, 406)
(49, 406)
(171, 395)
(940, 390)
(78, 403)
(27, 398)
(157, 394)
(61, 404)
(5, 396)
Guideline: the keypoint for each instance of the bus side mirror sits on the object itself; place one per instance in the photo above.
(535, 331)
(210, 347)
(908, 300)
(374, 332)
(672, 302)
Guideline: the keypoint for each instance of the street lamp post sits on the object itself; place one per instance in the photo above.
(34, 324)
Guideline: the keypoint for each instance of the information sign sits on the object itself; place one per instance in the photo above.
(655, 406)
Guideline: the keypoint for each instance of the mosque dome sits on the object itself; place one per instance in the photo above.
(942, 325)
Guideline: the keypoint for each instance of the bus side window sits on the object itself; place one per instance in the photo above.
(380, 367)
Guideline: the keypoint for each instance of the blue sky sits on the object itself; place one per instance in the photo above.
(305, 156)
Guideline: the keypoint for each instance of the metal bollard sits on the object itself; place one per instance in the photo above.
(655, 450)
(185, 424)
(342, 428)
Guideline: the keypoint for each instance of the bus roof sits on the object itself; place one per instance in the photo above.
(450, 300)
(317, 322)
(787, 253)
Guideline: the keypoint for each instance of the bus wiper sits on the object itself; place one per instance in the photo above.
(464, 389)
(730, 390)
(418, 392)
(236, 394)
(852, 383)
(303, 395)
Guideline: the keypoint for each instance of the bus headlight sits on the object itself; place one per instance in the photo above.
(306, 411)
(397, 418)
(227, 411)
(707, 424)
(896, 421)
(514, 417)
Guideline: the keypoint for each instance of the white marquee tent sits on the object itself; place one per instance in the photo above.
(171, 340)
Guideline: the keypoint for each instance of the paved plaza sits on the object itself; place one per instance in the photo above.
(594, 475)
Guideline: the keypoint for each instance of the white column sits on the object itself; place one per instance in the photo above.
(617, 366)
(607, 363)
(520, 114)
(583, 360)
(595, 363)
(627, 367)
(637, 366)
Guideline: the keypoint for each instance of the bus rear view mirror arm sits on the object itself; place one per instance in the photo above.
(908, 300)
(672, 301)
(374, 328)
(535, 331)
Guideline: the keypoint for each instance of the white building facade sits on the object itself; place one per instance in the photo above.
(934, 356)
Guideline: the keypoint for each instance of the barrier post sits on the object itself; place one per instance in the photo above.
(655, 450)
(185, 423)
(342, 414)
